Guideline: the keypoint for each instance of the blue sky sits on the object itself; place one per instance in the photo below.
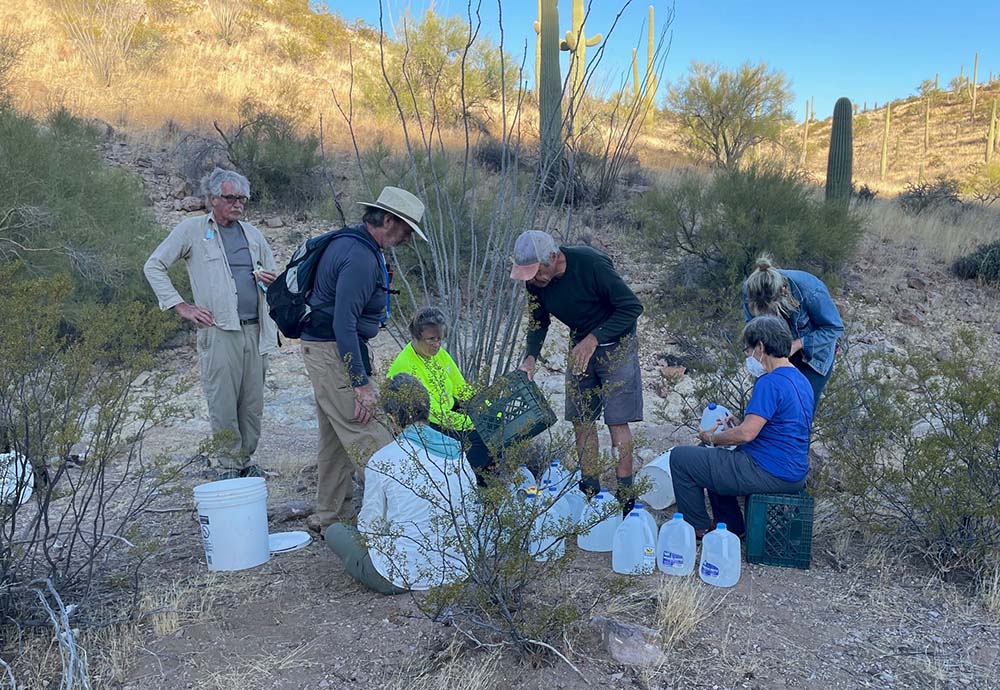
(869, 51)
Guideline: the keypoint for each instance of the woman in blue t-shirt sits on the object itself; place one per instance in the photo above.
(771, 453)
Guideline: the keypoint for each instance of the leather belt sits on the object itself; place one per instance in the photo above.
(249, 322)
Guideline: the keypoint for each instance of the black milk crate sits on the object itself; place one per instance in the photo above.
(509, 410)
(779, 529)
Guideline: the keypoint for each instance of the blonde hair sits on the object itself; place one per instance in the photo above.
(767, 290)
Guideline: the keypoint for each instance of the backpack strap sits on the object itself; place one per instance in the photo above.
(381, 262)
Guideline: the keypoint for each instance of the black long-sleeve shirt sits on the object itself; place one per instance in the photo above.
(590, 298)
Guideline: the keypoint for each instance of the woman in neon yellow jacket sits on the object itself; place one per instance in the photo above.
(424, 358)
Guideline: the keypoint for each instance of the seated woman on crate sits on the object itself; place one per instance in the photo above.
(424, 358)
(771, 453)
(419, 490)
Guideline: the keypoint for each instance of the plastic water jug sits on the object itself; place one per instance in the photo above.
(634, 548)
(556, 474)
(675, 547)
(523, 478)
(577, 503)
(548, 542)
(647, 518)
(601, 536)
(720, 557)
(713, 413)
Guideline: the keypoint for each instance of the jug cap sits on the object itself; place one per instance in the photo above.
(720, 525)
(678, 516)
(712, 405)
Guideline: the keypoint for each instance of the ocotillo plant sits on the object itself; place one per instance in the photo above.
(840, 162)
(576, 43)
(884, 163)
(549, 90)
(991, 137)
(538, 51)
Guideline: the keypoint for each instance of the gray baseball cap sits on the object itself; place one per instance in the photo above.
(531, 248)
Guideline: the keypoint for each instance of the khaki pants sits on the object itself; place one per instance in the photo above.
(232, 376)
(343, 443)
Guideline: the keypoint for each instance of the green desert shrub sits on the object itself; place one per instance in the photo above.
(282, 164)
(982, 264)
(912, 440)
(707, 230)
(63, 211)
(940, 193)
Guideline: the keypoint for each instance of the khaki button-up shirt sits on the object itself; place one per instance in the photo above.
(198, 242)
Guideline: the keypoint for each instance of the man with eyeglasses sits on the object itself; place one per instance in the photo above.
(229, 264)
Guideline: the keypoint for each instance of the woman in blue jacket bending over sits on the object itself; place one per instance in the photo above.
(804, 302)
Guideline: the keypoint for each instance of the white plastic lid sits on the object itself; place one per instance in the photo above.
(283, 542)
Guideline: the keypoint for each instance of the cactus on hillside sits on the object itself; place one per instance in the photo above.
(549, 90)
(972, 88)
(805, 138)
(927, 122)
(840, 161)
(576, 43)
(991, 136)
(884, 163)
(651, 81)
(538, 51)
(636, 83)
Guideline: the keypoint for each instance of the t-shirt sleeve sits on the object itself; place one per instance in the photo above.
(765, 398)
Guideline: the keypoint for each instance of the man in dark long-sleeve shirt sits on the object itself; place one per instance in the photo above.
(580, 287)
(350, 300)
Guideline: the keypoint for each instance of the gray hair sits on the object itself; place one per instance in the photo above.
(770, 331)
(374, 216)
(766, 290)
(211, 184)
(406, 400)
(428, 317)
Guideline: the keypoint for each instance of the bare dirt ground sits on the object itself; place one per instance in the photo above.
(861, 617)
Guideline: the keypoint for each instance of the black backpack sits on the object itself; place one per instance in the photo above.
(287, 295)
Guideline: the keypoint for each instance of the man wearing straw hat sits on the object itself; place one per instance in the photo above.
(350, 300)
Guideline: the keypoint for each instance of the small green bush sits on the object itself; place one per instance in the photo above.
(64, 211)
(982, 183)
(914, 440)
(714, 227)
(982, 264)
(283, 166)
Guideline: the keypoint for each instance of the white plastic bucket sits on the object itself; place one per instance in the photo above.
(232, 514)
(661, 492)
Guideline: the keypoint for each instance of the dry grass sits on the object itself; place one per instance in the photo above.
(682, 604)
(989, 588)
(180, 603)
(469, 672)
(938, 235)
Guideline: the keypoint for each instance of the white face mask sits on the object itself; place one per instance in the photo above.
(754, 367)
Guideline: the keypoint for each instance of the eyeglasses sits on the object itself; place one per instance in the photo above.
(233, 198)
(431, 341)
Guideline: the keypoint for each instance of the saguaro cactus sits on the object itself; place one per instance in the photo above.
(805, 138)
(973, 86)
(927, 122)
(577, 42)
(840, 162)
(538, 51)
(991, 137)
(549, 89)
(884, 163)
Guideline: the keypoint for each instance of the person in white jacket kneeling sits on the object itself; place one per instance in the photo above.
(418, 490)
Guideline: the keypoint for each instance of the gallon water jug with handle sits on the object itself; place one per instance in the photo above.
(555, 474)
(633, 549)
(675, 547)
(523, 478)
(577, 503)
(712, 414)
(647, 518)
(720, 557)
(547, 542)
(601, 536)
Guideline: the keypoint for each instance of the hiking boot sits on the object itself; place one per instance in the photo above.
(252, 471)
(315, 524)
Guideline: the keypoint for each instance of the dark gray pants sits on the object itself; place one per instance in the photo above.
(345, 541)
(725, 474)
